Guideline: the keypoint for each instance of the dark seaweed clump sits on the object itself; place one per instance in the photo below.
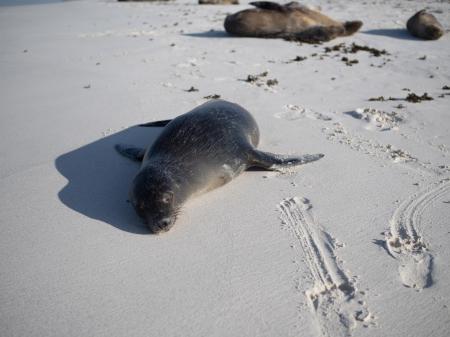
(254, 78)
(297, 59)
(354, 48)
(349, 62)
(214, 96)
(382, 99)
(192, 89)
(260, 80)
(412, 97)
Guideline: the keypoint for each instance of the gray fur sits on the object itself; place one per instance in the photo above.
(197, 152)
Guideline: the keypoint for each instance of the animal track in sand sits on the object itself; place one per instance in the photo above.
(334, 299)
(191, 68)
(405, 242)
(356, 141)
(109, 33)
(293, 112)
(340, 134)
(377, 119)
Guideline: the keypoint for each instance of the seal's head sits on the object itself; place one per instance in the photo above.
(153, 198)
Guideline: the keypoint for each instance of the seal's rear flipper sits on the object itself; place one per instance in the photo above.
(131, 152)
(276, 162)
(157, 123)
(273, 6)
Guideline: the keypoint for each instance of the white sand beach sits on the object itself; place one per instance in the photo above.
(355, 244)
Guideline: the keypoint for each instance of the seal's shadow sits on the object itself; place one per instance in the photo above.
(99, 179)
(210, 34)
(396, 33)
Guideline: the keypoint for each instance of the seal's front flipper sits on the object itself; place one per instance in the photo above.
(131, 152)
(157, 123)
(276, 162)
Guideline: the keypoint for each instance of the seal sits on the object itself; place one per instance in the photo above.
(218, 2)
(141, 0)
(291, 22)
(425, 26)
(196, 152)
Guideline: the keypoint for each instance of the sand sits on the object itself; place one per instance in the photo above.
(355, 244)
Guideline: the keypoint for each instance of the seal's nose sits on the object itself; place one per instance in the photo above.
(165, 224)
(162, 225)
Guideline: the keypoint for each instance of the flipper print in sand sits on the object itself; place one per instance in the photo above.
(405, 242)
(335, 301)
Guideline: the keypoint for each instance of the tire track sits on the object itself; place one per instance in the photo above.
(334, 299)
(405, 242)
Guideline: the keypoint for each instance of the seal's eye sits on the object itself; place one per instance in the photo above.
(167, 197)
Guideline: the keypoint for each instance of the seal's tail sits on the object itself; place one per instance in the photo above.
(352, 27)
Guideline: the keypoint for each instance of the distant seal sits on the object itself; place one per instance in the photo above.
(141, 0)
(291, 21)
(218, 2)
(197, 152)
(425, 26)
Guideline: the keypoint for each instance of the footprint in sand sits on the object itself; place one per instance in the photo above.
(377, 119)
(292, 112)
(405, 242)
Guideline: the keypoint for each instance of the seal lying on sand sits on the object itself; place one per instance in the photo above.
(197, 152)
(291, 22)
(142, 0)
(218, 2)
(425, 26)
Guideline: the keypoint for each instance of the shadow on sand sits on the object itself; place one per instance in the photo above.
(99, 179)
(210, 34)
(396, 33)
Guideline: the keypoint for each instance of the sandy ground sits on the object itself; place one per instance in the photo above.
(354, 244)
